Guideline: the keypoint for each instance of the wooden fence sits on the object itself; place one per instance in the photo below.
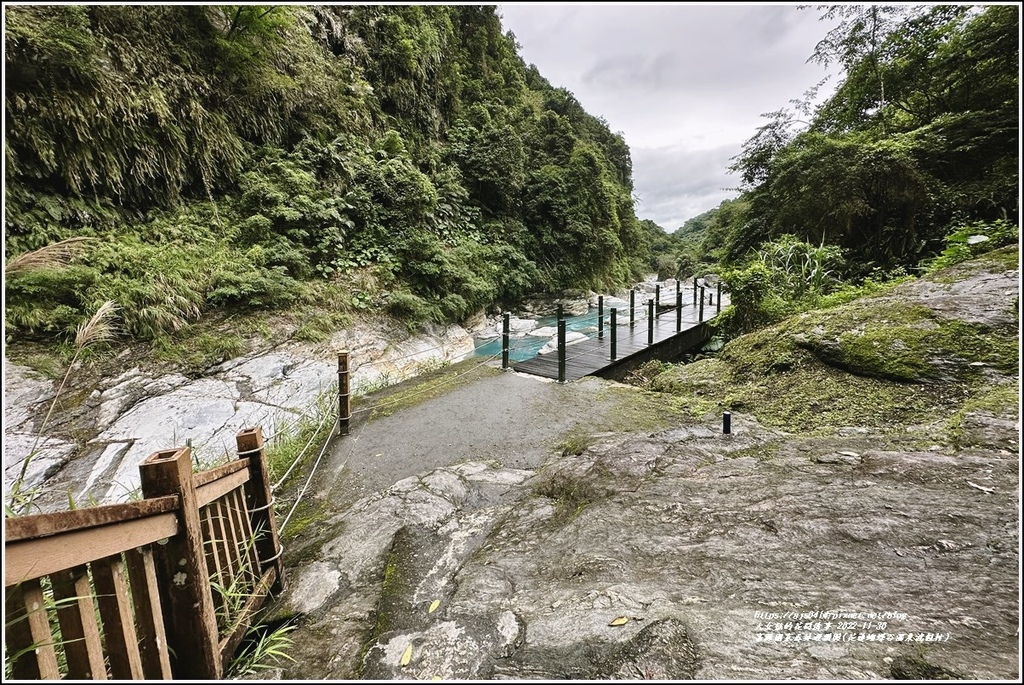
(161, 588)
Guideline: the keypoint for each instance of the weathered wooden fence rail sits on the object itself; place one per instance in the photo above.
(161, 588)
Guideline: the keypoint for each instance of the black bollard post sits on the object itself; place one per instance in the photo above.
(632, 307)
(700, 317)
(504, 340)
(561, 352)
(679, 311)
(650, 322)
(726, 423)
(600, 317)
(719, 305)
(611, 321)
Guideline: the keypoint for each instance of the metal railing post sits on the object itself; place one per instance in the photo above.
(679, 311)
(505, 326)
(561, 351)
(611, 322)
(700, 317)
(632, 307)
(657, 297)
(650, 322)
(719, 305)
(600, 317)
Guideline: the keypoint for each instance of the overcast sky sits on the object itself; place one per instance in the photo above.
(684, 83)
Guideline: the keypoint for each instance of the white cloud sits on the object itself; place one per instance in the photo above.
(685, 84)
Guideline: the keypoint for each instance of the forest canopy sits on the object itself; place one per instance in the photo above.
(920, 138)
(224, 156)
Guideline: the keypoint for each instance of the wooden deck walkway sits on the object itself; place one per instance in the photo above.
(592, 357)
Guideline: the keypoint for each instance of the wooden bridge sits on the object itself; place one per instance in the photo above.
(623, 341)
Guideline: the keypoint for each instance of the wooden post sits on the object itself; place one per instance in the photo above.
(679, 311)
(344, 399)
(189, 616)
(76, 615)
(561, 351)
(600, 317)
(650, 322)
(611, 322)
(505, 328)
(632, 307)
(115, 604)
(700, 317)
(719, 305)
(260, 502)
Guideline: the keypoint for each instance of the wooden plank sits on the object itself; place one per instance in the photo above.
(39, 557)
(237, 539)
(76, 614)
(115, 603)
(223, 546)
(235, 465)
(40, 525)
(242, 524)
(149, 622)
(236, 632)
(216, 489)
(213, 568)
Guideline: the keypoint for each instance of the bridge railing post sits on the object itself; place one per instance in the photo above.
(679, 311)
(561, 351)
(559, 313)
(505, 327)
(611, 322)
(719, 305)
(700, 316)
(695, 292)
(600, 317)
(650, 322)
(632, 307)
(657, 297)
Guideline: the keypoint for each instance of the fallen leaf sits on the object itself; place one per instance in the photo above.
(620, 621)
(433, 606)
(406, 656)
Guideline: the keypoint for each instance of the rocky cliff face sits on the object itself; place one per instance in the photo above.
(859, 522)
(102, 427)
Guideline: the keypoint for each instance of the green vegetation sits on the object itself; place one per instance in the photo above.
(241, 157)
(880, 360)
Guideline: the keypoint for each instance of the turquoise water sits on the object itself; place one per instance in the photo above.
(527, 346)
